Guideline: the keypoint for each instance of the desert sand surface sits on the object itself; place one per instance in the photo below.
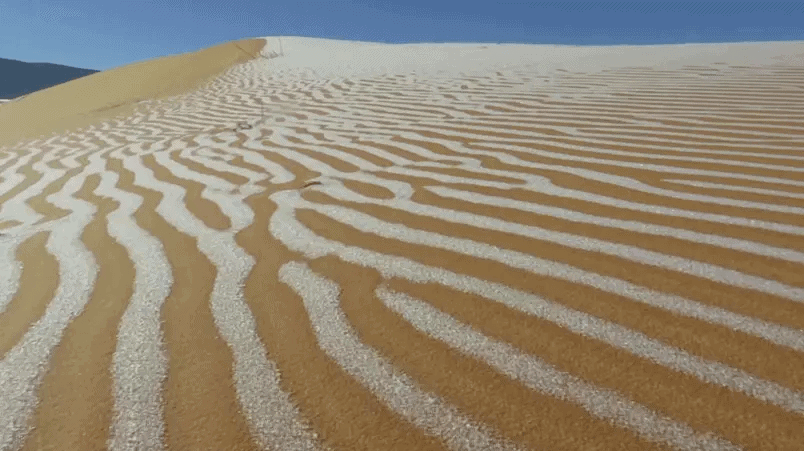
(116, 92)
(334, 245)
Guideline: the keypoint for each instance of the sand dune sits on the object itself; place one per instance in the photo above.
(116, 92)
(297, 243)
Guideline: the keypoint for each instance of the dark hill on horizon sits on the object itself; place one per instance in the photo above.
(18, 78)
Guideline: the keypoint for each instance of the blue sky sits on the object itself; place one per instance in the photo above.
(100, 34)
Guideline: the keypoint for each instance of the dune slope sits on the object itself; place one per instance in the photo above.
(117, 91)
(349, 245)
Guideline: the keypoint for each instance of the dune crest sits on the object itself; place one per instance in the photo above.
(116, 92)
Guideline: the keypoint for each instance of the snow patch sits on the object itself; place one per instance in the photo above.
(315, 58)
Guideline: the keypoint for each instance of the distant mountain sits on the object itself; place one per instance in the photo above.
(18, 78)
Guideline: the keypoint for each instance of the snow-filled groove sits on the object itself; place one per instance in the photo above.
(519, 179)
(540, 376)
(423, 409)
(273, 417)
(139, 361)
(579, 322)
(21, 369)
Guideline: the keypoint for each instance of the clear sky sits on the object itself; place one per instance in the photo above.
(100, 34)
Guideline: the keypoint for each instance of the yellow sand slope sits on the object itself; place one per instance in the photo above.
(115, 92)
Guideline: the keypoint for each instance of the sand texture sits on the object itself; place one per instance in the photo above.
(116, 92)
(332, 245)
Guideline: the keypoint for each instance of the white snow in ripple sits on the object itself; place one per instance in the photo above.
(286, 228)
(272, 416)
(632, 226)
(140, 361)
(774, 333)
(10, 268)
(337, 338)
(23, 367)
(670, 262)
(308, 64)
(540, 376)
